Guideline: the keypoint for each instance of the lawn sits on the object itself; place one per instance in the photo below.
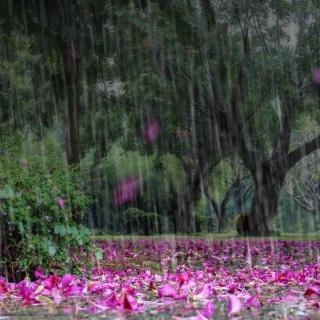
(211, 236)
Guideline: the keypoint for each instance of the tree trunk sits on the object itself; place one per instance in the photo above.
(183, 215)
(220, 224)
(315, 216)
(73, 156)
(3, 240)
(263, 210)
(193, 191)
(268, 183)
(219, 213)
(184, 218)
(188, 213)
(72, 85)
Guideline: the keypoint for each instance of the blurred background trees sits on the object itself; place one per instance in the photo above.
(230, 83)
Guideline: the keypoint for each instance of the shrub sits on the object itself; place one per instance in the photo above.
(40, 211)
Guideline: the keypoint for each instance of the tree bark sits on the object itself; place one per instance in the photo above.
(220, 213)
(72, 106)
(73, 156)
(180, 216)
(3, 241)
(263, 210)
(220, 224)
(183, 215)
(268, 183)
(185, 221)
(315, 216)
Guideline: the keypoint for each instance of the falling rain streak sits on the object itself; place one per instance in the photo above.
(159, 159)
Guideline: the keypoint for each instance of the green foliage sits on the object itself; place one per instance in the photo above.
(39, 230)
(161, 177)
(26, 98)
(141, 222)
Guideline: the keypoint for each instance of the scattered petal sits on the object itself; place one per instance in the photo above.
(234, 304)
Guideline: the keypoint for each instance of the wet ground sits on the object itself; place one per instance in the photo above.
(175, 279)
(277, 311)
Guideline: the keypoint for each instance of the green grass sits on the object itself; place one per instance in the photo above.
(210, 236)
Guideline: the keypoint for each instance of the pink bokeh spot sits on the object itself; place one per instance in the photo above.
(316, 76)
(126, 190)
(152, 131)
(61, 203)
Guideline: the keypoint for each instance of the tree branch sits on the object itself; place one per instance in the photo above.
(296, 155)
(283, 139)
(248, 156)
(303, 205)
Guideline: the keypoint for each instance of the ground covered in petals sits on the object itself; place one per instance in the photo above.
(178, 279)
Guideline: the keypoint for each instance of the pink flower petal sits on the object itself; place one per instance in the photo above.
(203, 293)
(3, 286)
(312, 291)
(205, 314)
(234, 304)
(208, 311)
(108, 302)
(51, 282)
(253, 302)
(67, 279)
(38, 273)
(167, 291)
(129, 302)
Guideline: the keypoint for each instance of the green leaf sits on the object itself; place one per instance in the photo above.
(60, 230)
(7, 193)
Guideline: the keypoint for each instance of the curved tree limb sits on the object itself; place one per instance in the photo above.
(296, 155)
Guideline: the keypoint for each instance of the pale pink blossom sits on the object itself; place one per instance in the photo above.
(234, 304)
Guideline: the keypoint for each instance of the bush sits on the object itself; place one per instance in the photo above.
(40, 211)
